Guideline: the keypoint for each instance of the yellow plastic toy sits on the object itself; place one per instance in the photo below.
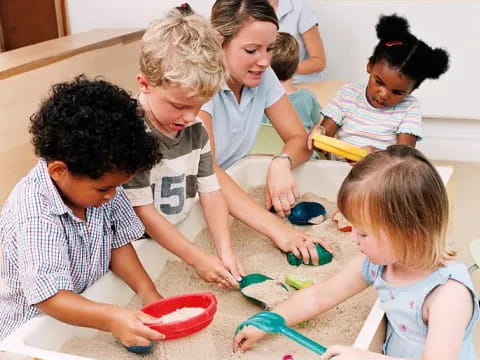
(339, 147)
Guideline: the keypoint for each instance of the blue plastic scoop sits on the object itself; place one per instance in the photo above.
(140, 349)
(305, 213)
(275, 324)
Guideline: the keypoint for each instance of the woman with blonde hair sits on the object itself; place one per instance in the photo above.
(248, 29)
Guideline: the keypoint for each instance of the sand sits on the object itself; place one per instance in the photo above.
(340, 325)
(270, 292)
(180, 314)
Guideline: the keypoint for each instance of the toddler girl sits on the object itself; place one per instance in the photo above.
(383, 112)
(398, 206)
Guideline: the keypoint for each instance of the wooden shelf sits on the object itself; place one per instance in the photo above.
(17, 61)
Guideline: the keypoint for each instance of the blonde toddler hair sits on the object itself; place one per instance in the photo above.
(398, 193)
(182, 50)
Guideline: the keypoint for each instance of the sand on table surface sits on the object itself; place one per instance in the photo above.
(256, 252)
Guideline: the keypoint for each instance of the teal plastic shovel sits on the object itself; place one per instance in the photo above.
(275, 324)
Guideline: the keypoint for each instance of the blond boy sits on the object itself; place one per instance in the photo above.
(181, 67)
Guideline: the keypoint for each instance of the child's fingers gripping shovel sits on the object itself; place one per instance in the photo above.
(274, 323)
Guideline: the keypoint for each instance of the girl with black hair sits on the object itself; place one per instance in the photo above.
(383, 112)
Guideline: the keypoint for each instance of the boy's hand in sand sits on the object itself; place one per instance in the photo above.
(128, 326)
(248, 336)
(211, 269)
(231, 263)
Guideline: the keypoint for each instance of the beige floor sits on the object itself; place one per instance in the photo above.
(465, 197)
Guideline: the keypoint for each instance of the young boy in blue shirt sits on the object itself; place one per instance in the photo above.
(68, 221)
(284, 63)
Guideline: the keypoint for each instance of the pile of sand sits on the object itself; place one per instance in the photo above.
(269, 292)
(180, 314)
(339, 325)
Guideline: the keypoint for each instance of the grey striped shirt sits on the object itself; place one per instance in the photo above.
(185, 169)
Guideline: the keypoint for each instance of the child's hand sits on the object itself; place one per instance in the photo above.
(211, 269)
(231, 263)
(128, 326)
(248, 336)
(338, 352)
(300, 244)
(316, 130)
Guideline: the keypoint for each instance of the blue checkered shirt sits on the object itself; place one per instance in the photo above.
(46, 248)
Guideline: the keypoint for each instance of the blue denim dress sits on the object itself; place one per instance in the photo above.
(406, 331)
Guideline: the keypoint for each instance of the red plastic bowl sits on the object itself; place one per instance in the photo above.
(177, 329)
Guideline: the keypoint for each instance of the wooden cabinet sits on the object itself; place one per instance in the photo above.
(27, 22)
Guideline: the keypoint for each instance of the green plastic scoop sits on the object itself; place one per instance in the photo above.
(324, 257)
(255, 278)
(275, 324)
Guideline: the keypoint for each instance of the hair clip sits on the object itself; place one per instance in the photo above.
(393, 43)
(184, 5)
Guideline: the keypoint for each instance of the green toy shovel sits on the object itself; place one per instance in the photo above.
(273, 323)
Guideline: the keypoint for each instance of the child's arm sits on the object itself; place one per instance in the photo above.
(409, 130)
(207, 266)
(216, 215)
(439, 314)
(327, 127)
(406, 139)
(126, 265)
(333, 115)
(244, 208)
(125, 324)
(311, 301)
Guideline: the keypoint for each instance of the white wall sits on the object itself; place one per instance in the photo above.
(347, 28)
(92, 14)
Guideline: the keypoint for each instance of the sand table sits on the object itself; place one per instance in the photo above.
(180, 314)
(340, 325)
(270, 292)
